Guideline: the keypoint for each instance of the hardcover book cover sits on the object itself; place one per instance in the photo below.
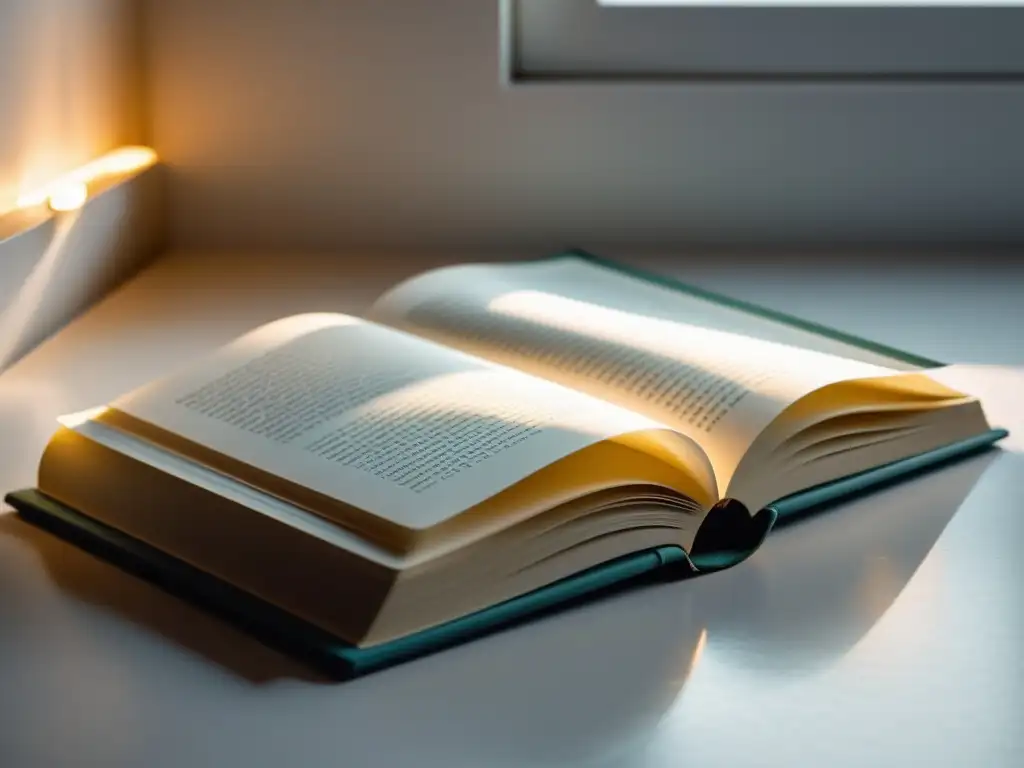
(729, 534)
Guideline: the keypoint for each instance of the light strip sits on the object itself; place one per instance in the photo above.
(70, 191)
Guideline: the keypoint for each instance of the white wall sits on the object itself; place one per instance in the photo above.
(67, 87)
(69, 91)
(337, 123)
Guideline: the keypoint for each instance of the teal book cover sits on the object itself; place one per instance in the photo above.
(728, 535)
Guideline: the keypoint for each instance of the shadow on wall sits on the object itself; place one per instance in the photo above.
(58, 267)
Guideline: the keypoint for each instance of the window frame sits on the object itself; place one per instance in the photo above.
(583, 41)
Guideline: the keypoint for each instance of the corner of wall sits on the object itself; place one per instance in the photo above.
(76, 77)
(58, 265)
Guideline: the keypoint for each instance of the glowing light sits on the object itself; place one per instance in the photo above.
(123, 160)
(69, 197)
(72, 420)
(119, 162)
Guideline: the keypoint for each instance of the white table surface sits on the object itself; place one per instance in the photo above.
(887, 632)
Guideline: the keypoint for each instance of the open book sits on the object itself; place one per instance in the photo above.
(488, 431)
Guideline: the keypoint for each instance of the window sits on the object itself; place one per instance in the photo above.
(751, 40)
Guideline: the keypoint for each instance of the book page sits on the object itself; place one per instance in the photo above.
(400, 427)
(637, 345)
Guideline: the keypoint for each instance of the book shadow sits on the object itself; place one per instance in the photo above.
(586, 683)
(567, 687)
(822, 581)
(99, 583)
(593, 683)
(572, 688)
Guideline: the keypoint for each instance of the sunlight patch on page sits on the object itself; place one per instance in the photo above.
(720, 388)
(423, 435)
(410, 431)
(674, 339)
(426, 433)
